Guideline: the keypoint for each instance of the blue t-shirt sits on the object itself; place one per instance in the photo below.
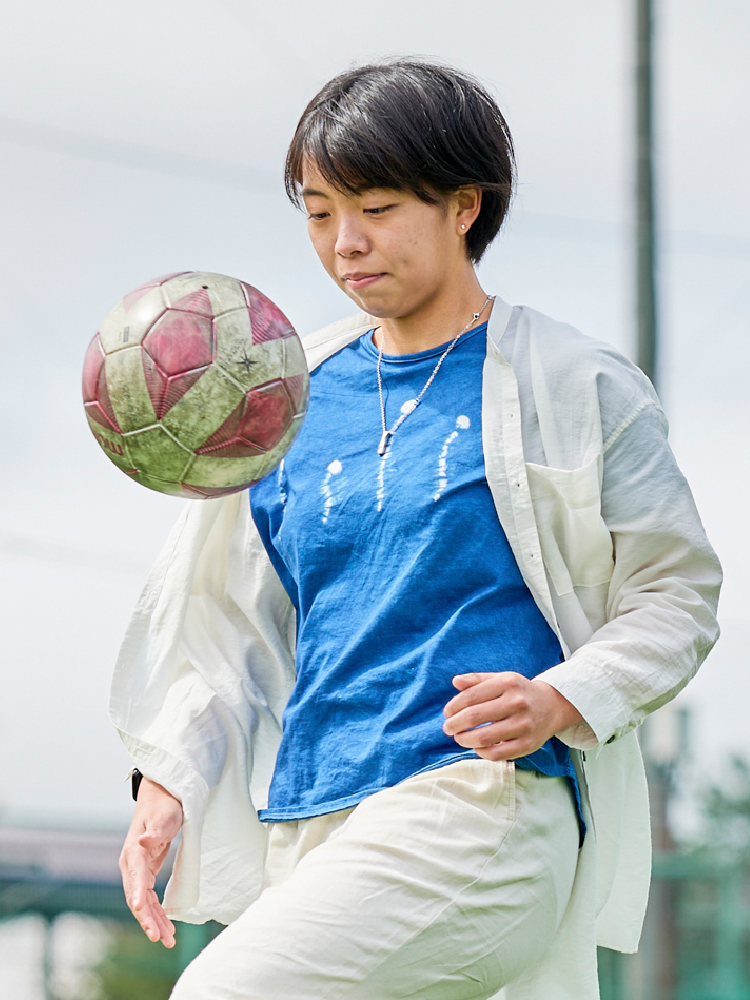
(401, 575)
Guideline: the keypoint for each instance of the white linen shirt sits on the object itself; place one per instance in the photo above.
(606, 536)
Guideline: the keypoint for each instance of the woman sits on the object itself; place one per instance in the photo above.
(478, 562)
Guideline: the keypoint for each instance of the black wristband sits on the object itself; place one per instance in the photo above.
(135, 782)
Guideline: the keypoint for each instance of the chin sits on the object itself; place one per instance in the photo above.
(378, 306)
(380, 312)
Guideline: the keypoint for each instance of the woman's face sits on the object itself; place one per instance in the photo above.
(388, 250)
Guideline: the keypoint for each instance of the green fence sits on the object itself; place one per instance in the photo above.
(144, 971)
(696, 939)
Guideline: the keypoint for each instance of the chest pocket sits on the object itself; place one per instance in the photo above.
(576, 545)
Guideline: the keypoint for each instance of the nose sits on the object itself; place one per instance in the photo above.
(350, 239)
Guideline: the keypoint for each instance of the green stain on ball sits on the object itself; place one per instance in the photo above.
(156, 454)
(127, 390)
(203, 409)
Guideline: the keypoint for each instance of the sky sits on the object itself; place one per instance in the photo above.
(142, 138)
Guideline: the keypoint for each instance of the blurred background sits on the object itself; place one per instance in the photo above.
(142, 138)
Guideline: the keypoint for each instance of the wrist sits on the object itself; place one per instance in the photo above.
(563, 713)
(144, 788)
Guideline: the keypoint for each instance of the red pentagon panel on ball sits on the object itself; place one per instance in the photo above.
(195, 302)
(95, 392)
(177, 350)
(255, 426)
(166, 390)
(267, 417)
(267, 321)
(180, 341)
(177, 386)
(226, 437)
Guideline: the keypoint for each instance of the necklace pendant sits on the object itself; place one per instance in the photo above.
(383, 442)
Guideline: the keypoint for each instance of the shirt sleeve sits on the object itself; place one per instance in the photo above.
(197, 695)
(661, 605)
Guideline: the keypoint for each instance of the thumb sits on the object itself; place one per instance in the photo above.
(154, 840)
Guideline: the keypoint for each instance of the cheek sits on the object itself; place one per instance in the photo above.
(417, 255)
(422, 243)
(323, 245)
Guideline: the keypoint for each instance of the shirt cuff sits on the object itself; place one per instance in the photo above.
(579, 737)
(587, 698)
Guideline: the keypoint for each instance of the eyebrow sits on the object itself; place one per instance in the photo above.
(309, 191)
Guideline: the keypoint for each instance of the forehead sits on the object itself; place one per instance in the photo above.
(314, 184)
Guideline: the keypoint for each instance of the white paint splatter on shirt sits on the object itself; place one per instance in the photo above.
(329, 498)
(381, 475)
(462, 424)
(408, 407)
(281, 482)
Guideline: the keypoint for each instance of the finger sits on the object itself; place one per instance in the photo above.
(508, 750)
(154, 841)
(153, 920)
(506, 684)
(488, 689)
(463, 681)
(164, 924)
(155, 851)
(476, 715)
(148, 919)
(486, 736)
(482, 691)
(137, 877)
(144, 903)
(141, 883)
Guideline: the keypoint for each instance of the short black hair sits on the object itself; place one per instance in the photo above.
(410, 126)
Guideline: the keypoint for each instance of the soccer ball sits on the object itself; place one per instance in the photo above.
(195, 385)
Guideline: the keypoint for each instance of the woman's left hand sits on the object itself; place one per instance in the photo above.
(504, 715)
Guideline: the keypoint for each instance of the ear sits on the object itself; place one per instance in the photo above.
(468, 204)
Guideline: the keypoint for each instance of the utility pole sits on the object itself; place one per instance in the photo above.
(645, 214)
(660, 946)
(654, 967)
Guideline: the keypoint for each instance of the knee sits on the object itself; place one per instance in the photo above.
(200, 981)
(188, 986)
(215, 975)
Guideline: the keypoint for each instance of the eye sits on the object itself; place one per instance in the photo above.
(317, 216)
(377, 211)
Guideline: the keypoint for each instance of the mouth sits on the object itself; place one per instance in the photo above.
(358, 280)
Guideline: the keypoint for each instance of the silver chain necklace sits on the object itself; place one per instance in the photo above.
(412, 404)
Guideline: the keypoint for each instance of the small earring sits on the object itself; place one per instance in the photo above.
(463, 226)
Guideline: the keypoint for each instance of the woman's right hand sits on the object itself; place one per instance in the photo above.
(156, 822)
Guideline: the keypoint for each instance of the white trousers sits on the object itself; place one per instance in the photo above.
(448, 886)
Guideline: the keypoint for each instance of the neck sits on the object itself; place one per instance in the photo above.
(435, 321)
